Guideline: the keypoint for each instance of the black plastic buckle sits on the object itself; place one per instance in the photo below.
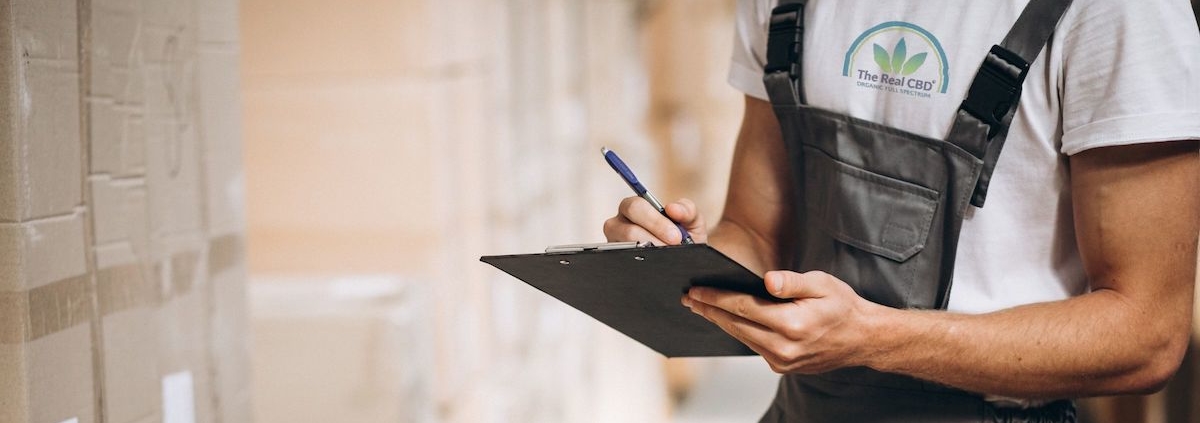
(783, 43)
(996, 88)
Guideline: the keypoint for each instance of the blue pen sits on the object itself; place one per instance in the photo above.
(640, 190)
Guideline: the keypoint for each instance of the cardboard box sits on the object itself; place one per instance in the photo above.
(218, 21)
(39, 252)
(170, 120)
(221, 150)
(219, 113)
(46, 353)
(183, 352)
(229, 329)
(114, 56)
(105, 312)
(118, 145)
(173, 166)
(119, 216)
(38, 133)
(351, 349)
(46, 348)
(116, 94)
(355, 219)
(320, 37)
(128, 300)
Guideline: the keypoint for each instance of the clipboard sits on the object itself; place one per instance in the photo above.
(636, 290)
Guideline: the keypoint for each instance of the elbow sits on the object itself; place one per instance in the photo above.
(1157, 366)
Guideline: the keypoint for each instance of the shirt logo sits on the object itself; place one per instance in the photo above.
(915, 65)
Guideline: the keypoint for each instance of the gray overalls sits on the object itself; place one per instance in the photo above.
(881, 209)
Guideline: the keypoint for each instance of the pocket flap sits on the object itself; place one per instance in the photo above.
(872, 212)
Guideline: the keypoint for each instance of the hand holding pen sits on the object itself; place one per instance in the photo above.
(639, 220)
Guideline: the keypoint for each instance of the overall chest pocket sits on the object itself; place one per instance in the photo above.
(866, 228)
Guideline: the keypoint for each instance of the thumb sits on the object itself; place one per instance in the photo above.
(684, 211)
(791, 285)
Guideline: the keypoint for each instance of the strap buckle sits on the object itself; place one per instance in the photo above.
(785, 36)
(997, 87)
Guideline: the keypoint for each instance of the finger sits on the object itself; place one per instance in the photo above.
(754, 335)
(639, 211)
(791, 285)
(779, 342)
(619, 228)
(745, 306)
(684, 211)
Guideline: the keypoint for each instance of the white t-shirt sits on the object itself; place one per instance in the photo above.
(1115, 72)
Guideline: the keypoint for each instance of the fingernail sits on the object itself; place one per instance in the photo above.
(774, 285)
(687, 302)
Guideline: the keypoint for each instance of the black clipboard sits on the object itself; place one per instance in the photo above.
(637, 291)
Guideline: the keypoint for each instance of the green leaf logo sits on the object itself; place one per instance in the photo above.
(895, 62)
(881, 59)
(913, 64)
(898, 55)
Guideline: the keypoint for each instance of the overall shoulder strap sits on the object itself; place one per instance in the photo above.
(785, 49)
(982, 121)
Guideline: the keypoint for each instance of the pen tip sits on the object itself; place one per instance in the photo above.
(604, 150)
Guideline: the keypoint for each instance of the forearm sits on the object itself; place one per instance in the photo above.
(1096, 344)
(744, 246)
(758, 214)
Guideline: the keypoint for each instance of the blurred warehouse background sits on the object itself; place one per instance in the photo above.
(390, 144)
(273, 210)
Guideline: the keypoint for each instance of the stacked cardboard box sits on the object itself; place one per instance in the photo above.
(345, 349)
(121, 266)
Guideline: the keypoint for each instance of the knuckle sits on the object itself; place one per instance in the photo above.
(792, 329)
(741, 309)
(788, 352)
(627, 205)
(628, 232)
(610, 226)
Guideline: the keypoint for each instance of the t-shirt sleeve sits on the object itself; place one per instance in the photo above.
(749, 47)
(1130, 74)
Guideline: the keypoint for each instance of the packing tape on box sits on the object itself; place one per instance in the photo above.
(124, 287)
(129, 286)
(28, 315)
(181, 275)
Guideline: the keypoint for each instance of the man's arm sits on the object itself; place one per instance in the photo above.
(756, 207)
(757, 213)
(1137, 216)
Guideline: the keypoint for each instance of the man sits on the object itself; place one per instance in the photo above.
(1073, 279)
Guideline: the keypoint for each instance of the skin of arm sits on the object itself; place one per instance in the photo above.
(754, 222)
(1137, 217)
(757, 216)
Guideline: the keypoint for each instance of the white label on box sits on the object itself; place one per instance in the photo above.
(71, 420)
(177, 399)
